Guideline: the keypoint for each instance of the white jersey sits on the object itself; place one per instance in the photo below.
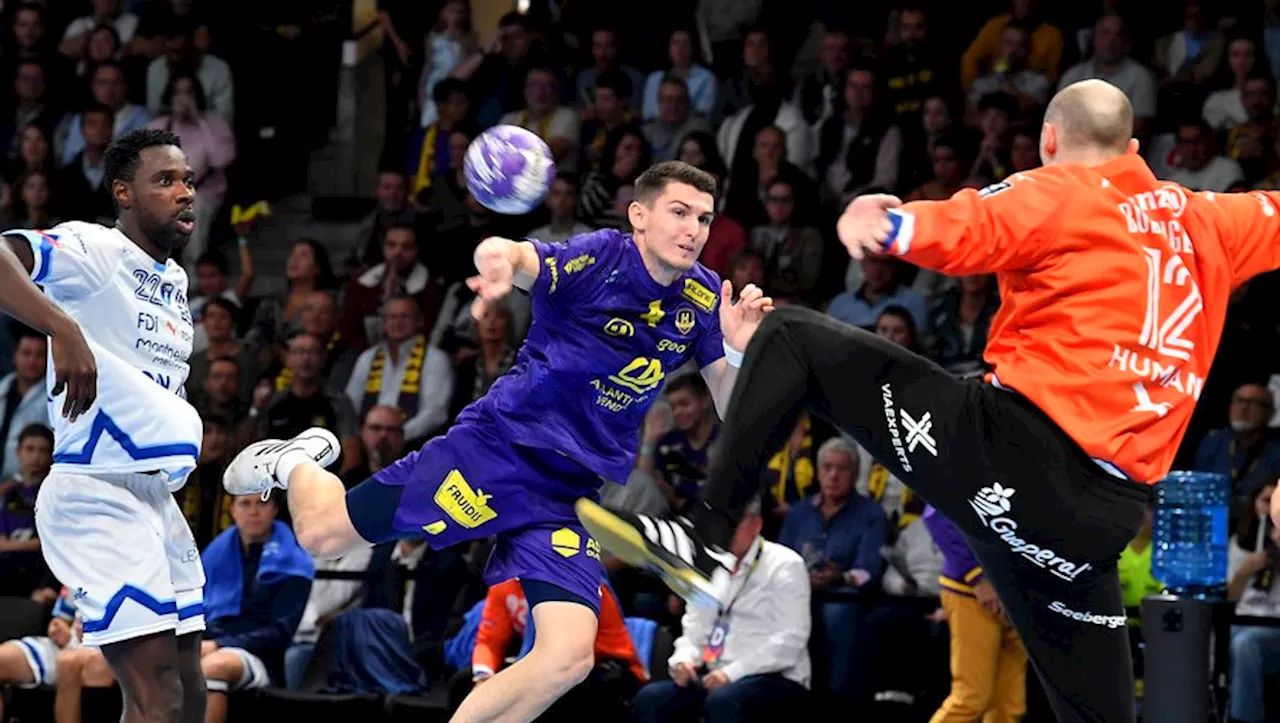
(133, 312)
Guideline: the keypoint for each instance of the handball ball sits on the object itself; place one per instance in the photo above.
(509, 170)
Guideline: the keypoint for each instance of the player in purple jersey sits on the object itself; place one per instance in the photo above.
(613, 314)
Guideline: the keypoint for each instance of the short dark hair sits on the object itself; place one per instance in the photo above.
(197, 88)
(103, 64)
(402, 224)
(690, 382)
(216, 260)
(36, 430)
(617, 81)
(654, 181)
(225, 360)
(120, 162)
(513, 18)
(232, 310)
(569, 178)
(447, 87)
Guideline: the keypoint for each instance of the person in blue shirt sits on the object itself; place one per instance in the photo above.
(1246, 450)
(257, 581)
(880, 289)
(839, 534)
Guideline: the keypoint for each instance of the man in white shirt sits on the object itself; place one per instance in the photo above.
(213, 73)
(1198, 167)
(750, 661)
(557, 125)
(105, 12)
(1111, 62)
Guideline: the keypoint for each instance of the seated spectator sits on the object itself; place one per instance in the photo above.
(611, 109)
(32, 204)
(18, 492)
(880, 289)
(205, 504)
(257, 581)
(24, 393)
(103, 45)
(738, 135)
(790, 474)
(913, 563)
(400, 370)
(26, 40)
(328, 599)
(751, 662)
(1247, 449)
(746, 267)
(912, 66)
(212, 281)
(604, 57)
(306, 270)
(839, 534)
(31, 105)
(678, 459)
(212, 75)
(510, 57)
(792, 249)
(674, 121)
(862, 147)
(561, 202)
(220, 322)
(1252, 571)
(110, 12)
(1247, 143)
(1046, 43)
(950, 165)
(479, 361)
(210, 148)
(617, 675)
(699, 81)
(960, 319)
(1111, 62)
(557, 125)
(32, 661)
(33, 154)
(401, 273)
(107, 86)
(1136, 580)
(1024, 148)
(1010, 74)
(817, 95)
(1193, 53)
(428, 160)
(381, 443)
(1224, 108)
(770, 161)
(221, 396)
(82, 190)
(1199, 167)
(451, 50)
(306, 403)
(988, 662)
(757, 69)
(319, 316)
(996, 112)
(606, 193)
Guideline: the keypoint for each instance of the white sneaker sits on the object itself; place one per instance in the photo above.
(254, 469)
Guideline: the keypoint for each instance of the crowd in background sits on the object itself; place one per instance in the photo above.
(795, 107)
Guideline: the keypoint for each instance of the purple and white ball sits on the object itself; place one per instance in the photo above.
(509, 170)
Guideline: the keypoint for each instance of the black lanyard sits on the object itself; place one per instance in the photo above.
(726, 609)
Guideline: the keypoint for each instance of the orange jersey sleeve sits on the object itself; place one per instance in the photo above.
(497, 626)
(613, 641)
(1249, 229)
(1008, 226)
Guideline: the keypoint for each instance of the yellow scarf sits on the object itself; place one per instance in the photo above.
(800, 468)
(426, 161)
(285, 378)
(544, 125)
(410, 385)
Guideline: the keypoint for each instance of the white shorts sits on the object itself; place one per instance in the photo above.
(42, 656)
(254, 675)
(121, 544)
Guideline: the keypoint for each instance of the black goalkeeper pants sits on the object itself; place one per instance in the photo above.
(1045, 521)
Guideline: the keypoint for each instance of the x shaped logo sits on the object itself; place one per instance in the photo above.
(918, 432)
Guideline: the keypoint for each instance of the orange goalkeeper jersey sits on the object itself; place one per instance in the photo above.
(1114, 288)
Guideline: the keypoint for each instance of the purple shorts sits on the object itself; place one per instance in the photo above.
(467, 485)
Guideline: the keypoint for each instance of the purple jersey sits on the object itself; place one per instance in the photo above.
(18, 511)
(604, 337)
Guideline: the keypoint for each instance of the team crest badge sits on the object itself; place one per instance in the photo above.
(684, 320)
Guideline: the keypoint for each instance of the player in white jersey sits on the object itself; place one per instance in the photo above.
(109, 527)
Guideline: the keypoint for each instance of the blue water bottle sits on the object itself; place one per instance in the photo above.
(1190, 535)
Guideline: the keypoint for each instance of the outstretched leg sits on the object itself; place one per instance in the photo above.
(147, 669)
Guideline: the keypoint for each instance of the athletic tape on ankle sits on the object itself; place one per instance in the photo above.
(733, 356)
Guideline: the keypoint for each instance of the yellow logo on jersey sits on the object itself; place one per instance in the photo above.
(655, 313)
(468, 507)
(566, 542)
(578, 263)
(435, 528)
(641, 376)
(619, 327)
(684, 320)
(701, 296)
(555, 274)
(593, 548)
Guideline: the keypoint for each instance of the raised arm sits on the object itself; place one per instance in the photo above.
(75, 370)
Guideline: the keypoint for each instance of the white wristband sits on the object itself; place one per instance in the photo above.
(733, 356)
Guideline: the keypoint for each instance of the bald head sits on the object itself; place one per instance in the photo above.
(1091, 117)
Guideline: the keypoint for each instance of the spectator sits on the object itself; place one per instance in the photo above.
(604, 58)
(220, 317)
(211, 73)
(31, 105)
(328, 599)
(960, 319)
(83, 191)
(1192, 54)
(33, 154)
(18, 491)
(24, 393)
(673, 121)
(429, 160)
(451, 50)
(746, 267)
(1010, 73)
(736, 137)
(392, 203)
(617, 675)
(995, 113)
(509, 58)
(1024, 148)
(205, 505)
(32, 202)
(737, 92)
(1136, 580)
(258, 579)
(950, 167)
(212, 277)
(1251, 576)
(320, 317)
(1247, 449)
(817, 95)
(401, 273)
(935, 123)
(381, 443)
(552, 122)
(611, 108)
(108, 88)
(478, 363)
(677, 459)
(1046, 44)
(1248, 142)
(860, 148)
(769, 162)
(699, 81)
(792, 249)
(110, 12)
(839, 534)
(561, 202)
(880, 289)
(750, 663)
(790, 473)
(28, 42)
(1224, 108)
(896, 325)
(726, 236)
(32, 661)
(210, 148)
(910, 67)
(103, 45)
(398, 371)
(1111, 62)
(221, 396)
(913, 563)
(306, 403)
(1199, 167)
(606, 192)
(306, 270)
(722, 24)
(988, 662)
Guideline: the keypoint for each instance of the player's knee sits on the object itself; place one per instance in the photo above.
(567, 664)
(71, 663)
(220, 665)
(159, 699)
